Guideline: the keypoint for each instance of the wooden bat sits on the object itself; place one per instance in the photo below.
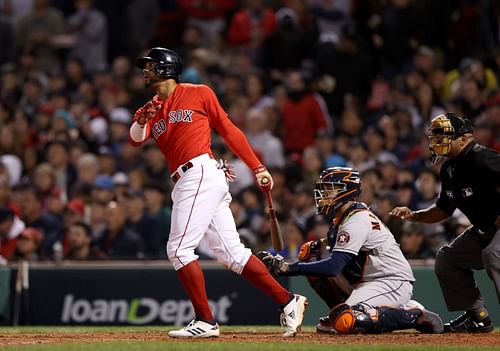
(276, 236)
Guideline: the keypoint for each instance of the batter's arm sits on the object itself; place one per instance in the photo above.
(238, 143)
(138, 133)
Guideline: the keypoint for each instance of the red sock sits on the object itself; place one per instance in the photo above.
(193, 280)
(255, 271)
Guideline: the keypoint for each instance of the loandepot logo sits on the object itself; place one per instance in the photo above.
(137, 311)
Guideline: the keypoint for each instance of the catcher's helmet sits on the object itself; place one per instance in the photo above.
(335, 187)
(169, 63)
(444, 129)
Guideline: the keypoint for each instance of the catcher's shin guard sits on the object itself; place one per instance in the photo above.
(356, 319)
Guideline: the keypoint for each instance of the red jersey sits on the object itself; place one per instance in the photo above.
(182, 127)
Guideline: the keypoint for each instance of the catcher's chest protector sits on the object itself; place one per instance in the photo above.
(353, 271)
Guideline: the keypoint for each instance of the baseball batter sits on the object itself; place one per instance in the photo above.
(179, 118)
(364, 252)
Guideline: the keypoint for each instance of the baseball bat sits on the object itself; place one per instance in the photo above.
(276, 236)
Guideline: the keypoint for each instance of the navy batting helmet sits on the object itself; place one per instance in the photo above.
(335, 187)
(169, 63)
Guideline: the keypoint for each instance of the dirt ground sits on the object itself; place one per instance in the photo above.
(479, 340)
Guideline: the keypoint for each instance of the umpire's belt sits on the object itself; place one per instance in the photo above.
(181, 170)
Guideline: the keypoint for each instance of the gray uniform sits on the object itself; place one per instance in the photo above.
(387, 277)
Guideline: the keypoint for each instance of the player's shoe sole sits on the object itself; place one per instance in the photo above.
(196, 329)
(430, 322)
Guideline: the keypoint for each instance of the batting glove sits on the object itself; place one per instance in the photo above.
(148, 111)
(264, 179)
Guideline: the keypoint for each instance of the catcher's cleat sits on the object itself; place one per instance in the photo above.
(325, 326)
(429, 322)
(293, 314)
(196, 329)
(467, 323)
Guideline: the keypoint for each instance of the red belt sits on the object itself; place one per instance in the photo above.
(176, 176)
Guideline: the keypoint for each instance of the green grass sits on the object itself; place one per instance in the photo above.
(202, 345)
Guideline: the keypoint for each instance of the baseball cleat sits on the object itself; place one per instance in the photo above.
(196, 329)
(429, 322)
(466, 323)
(325, 326)
(293, 315)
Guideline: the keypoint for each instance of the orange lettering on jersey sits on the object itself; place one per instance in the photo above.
(375, 225)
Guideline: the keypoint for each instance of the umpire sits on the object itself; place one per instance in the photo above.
(470, 181)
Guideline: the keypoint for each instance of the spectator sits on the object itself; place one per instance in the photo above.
(143, 224)
(37, 30)
(80, 243)
(89, 26)
(28, 245)
(32, 215)
(157, 208)
(118, 241)
(303, 116)
(11, 226)
(261, 139)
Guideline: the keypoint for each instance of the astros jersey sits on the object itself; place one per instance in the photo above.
(363, 231)
(181, 128)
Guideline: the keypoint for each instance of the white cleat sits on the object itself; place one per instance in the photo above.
(196, 329)
(293, 315)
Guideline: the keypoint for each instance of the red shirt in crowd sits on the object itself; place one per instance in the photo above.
(302, 120)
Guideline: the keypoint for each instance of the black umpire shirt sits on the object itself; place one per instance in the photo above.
(471, 183)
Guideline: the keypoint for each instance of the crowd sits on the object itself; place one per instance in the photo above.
(313, 84)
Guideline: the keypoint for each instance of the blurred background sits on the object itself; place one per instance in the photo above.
(312, 83)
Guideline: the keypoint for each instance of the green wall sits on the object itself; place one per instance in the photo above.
(426, 291)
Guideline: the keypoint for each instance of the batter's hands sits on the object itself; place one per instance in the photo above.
(148, 111)
(264, 179)
(404, 213)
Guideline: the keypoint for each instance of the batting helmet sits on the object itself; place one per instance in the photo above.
(169, 63)
(335, 187)
(444, 129)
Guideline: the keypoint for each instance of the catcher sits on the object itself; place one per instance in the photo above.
(364, 258)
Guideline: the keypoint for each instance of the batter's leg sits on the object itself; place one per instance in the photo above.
(224, 240)
(454, 264)
(196, 198)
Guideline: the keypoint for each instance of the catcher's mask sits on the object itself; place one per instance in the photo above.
(168, 63)
(444, 129)
(335, 187)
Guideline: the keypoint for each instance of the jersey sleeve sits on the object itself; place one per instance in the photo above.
(353, 233)
(492, 166)
(445, 200)
(233, 136)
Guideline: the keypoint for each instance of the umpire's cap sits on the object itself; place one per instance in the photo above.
(169, 63)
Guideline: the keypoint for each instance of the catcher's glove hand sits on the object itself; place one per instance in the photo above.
(276, 265)
(311, 248)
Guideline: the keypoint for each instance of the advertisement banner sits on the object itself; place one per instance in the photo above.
(139, 296)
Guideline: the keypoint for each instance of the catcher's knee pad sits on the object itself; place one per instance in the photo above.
(343, 318)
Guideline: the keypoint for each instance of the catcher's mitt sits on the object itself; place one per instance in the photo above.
(276, 265)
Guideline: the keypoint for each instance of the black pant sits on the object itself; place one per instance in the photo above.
(456, 261)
